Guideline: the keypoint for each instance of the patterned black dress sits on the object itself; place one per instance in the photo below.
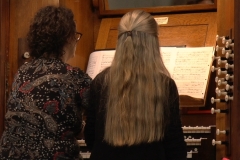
(44, 111)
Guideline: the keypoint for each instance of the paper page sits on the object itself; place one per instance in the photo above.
(98, 61)
(92, 64)
(191, 70)
(107, 58)
(189, 67)
(169, 57)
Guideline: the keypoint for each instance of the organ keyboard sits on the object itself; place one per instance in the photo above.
(198, 140)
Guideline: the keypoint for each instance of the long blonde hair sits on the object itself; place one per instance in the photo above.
(136, 83)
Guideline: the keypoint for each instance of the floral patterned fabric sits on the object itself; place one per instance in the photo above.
(45, 111)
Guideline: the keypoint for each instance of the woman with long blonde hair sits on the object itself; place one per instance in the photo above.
(134, 108)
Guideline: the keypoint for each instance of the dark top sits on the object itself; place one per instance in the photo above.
(44, 111)
(172, 147)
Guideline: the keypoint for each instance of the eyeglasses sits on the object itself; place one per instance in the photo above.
(78, 36)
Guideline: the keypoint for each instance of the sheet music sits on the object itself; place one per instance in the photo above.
(169, 57)
(189, 67)
(98, 61)
(191, 70)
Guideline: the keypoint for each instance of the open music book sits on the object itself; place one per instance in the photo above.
(189, 67)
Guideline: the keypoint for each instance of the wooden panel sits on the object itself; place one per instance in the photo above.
(198, 119)
(112, 35)
(102, 38)
(81, 10)
(179, 36)
(97, 23)
(22, 49)
(19, 26)
(192, 30)
(4, 47)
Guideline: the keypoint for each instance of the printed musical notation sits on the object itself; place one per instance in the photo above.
(189, 67)
(98, 61)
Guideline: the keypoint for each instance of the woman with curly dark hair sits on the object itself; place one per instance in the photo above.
(48, 95)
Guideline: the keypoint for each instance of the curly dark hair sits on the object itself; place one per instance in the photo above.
(49, 31)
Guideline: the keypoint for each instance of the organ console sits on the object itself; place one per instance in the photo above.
(219, 100)
(197, 139)
(193, 28)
